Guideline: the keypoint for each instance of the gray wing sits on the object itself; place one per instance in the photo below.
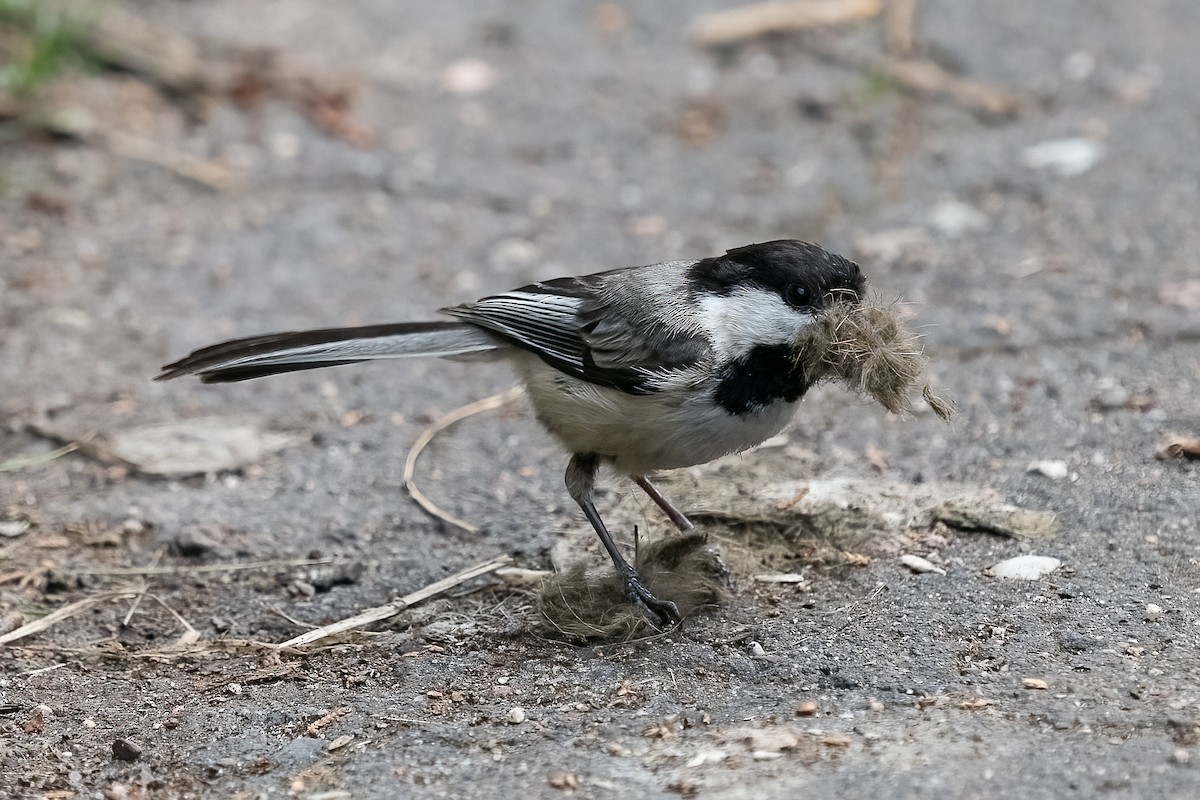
(573, 325)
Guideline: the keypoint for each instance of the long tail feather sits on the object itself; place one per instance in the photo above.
(274, 353)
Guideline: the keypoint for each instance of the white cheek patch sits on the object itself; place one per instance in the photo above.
(746, 318)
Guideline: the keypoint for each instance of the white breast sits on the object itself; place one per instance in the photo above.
(642, 433)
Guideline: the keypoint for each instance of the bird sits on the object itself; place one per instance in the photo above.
(639, 369)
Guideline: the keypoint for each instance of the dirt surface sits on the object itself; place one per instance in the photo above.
(488, 144)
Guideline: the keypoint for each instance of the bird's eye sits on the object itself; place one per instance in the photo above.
(797, 296)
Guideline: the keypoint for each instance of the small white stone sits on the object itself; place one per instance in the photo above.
(918, 564)
(1079, 65)
(1025, 568)
(1054, 470)
(954, 218)
(285, 145)
(516, 715)
(1154, 611)
(469, 76)
(1066, 157)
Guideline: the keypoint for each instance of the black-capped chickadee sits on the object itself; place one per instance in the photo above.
(643, 368)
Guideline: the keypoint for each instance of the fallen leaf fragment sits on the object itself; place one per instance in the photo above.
(37, 719)
(1179, 447)
(340, 742)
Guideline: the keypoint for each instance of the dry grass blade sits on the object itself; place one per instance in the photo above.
(235, 566)
(16, 464)
(759, 19)
(396, 606)
(428, 435)
(868, 349)
(66, 612)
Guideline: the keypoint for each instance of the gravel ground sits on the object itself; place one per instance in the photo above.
(488, 144)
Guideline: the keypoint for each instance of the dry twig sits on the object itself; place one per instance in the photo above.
(396, 606)
(898, 27)
(924, 77)
(760, 19)
(427, 436)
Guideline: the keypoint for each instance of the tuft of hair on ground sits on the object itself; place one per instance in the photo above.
(867, 348)
(586, 605)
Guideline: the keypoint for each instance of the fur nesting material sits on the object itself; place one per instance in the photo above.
(581, 604)
(868, 349)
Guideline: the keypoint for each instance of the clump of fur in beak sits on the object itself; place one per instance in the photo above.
(867, 348)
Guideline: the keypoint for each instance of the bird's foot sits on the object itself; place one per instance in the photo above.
(662, 614)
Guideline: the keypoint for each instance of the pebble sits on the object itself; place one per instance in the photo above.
(953, 218)
(1065, 157)
(1154, 611)
(469, 76)
(1111, 396)
(807, 708)
(12, 528)
(918, 564)
(1054, 470)
(1025, 568)
(510, 255)
(516, 715)
(198, 541)
(1181, 756)
(125, 750)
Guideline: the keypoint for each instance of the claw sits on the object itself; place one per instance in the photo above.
(662, 614)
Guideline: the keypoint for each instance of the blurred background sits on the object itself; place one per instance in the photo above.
(1024, 176)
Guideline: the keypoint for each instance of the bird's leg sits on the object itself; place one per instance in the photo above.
(581, 483)
(677, 517)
